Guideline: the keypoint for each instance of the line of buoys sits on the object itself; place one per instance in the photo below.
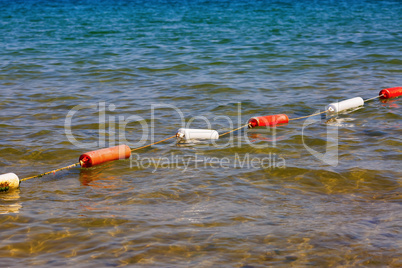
(191, 134)
(100, 156)
(10, 181)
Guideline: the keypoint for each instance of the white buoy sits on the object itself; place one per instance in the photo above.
(337, 107)
(191, 134)
(9, 181)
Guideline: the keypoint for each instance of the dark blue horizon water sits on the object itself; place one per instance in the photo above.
(135, 71)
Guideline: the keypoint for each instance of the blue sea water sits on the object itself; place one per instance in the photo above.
(77, 76)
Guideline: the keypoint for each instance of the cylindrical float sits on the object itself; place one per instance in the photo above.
(268, 121)
(189, 134)
(97, 157)
(391, 92)
(8, 182)
(337, 107)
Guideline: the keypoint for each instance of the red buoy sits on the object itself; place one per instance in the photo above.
(97, 157)
(391, 92)
(268, 121)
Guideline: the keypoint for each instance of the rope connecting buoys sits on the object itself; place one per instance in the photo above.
(8, 182)
(392, 92)
(149, 145)
(97, 157)
(233, 130)
(268, 120)
(51, 172)
(191, 134)
(337, 107)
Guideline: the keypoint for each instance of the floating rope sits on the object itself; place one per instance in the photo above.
(302, 117)
(233, 130)
(135, 149)
(81, 162)
(145, 146)
(373, 98)
(168, 138)
(272, 120)
(50, 172)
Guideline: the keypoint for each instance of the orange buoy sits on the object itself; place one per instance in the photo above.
(268, 121)
(391, 92)
(97, 157)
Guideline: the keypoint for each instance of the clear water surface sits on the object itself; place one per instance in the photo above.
(76, 76)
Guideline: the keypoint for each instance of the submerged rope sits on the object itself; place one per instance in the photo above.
(53, 171)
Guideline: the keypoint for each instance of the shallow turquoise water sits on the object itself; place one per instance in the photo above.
(80, 75)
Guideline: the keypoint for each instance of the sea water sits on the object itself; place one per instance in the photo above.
(77, 76)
